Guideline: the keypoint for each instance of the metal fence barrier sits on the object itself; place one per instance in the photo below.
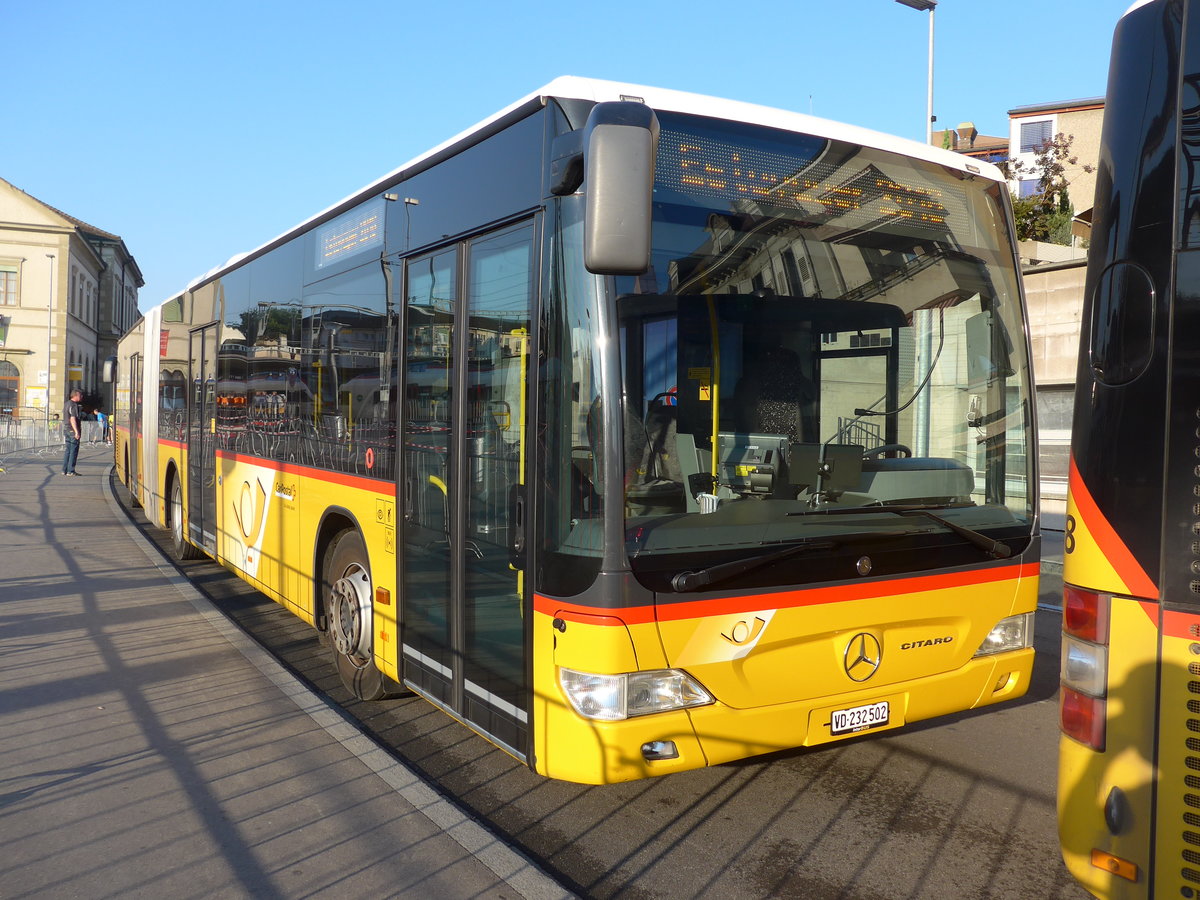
(29, 428)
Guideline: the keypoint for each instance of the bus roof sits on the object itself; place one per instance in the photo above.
(1136, 5)
(739, 111)
(596, 90)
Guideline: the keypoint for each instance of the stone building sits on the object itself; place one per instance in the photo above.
(68, 291)
(1081, 120)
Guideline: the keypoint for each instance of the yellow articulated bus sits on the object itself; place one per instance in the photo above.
(637, 430)
(1129, 761)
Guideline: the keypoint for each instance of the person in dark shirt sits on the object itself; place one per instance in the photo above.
(72, 430)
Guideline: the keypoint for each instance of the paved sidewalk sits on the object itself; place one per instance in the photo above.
(149, 749)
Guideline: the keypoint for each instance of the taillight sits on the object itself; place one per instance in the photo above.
(1081, 717)
(1084, 661)
(1085, 614)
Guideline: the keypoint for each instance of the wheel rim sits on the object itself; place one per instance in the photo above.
(177, 515)
(350, 608)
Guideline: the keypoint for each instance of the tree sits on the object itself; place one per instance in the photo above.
(1045, 215)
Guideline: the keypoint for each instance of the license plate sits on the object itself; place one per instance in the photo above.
(858, 718)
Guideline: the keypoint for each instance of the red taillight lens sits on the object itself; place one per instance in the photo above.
(1085, 614)
(1081, 717)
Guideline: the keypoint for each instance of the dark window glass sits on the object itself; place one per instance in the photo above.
(8, 286)
(172, 404)
(499, 299)
(432, 304)
(1189, 144)
(1034, 135)
(901, 336)
(10, 388)
(571, 437)
(332, 391)
(460, 193)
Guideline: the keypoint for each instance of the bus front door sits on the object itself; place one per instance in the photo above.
(467, 362)
(202, 440)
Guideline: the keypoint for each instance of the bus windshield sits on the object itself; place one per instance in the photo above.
(825, 328)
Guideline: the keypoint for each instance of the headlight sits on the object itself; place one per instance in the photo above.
(611, 698)
(1013, 633)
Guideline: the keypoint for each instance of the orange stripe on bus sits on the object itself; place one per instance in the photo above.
(354, 481)
(696, 609)
(1178, 624)
(1128, 569)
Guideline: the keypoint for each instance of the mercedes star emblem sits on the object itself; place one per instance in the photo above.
(863, 656)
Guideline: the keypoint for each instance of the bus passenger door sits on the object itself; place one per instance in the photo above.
(467, 357)
(133, 459)
(201, 443)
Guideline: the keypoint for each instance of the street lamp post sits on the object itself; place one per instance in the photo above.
(924, 5)
(49, 336)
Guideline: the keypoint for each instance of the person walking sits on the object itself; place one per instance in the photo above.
(72, 430)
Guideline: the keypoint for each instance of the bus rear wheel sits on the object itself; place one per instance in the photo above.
(179, 543)
(348, 599)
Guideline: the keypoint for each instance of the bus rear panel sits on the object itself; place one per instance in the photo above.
(1129, 788)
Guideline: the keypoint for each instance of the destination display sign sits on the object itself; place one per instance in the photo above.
(846, 186)
(359, 230)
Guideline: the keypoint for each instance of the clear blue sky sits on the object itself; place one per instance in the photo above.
(200, 130)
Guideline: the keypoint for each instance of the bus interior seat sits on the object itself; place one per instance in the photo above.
(658, 485)
(660, 459)
(771, 395)
(689, 466)
(645, 492)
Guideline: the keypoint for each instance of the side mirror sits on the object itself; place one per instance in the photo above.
(619, 144)
(108, 372)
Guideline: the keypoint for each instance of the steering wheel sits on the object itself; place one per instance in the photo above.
(882, 449)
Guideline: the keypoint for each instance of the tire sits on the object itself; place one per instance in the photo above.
(179, 543)
(134, 500)
(348, 596)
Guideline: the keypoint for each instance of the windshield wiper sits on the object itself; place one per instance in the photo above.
(694, 581)
(881, 507)
(993, 548)
(685, 582)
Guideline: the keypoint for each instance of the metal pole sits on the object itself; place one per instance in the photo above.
(929, 116)
(926, 6)
(49, 338)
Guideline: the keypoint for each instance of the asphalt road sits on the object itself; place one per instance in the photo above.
(959, 808)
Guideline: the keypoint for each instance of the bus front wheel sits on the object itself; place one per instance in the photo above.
(348, 599)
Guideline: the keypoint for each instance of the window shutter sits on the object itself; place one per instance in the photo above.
(1035, 134)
